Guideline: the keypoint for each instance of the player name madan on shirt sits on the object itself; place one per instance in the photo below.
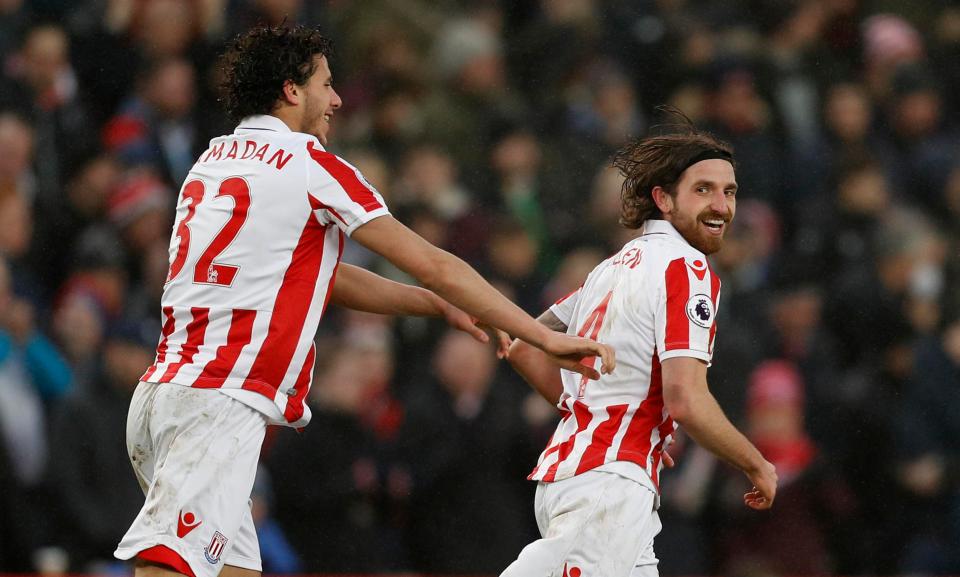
(251, 150)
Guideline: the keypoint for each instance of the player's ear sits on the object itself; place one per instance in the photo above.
(290, 93)
(663, 199)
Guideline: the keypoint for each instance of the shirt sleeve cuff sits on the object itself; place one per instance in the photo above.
(365, 218)
(702, 355)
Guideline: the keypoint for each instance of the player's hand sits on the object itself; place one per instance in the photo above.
(500, 338)
(568, 352)
(460, 320)
(668, 461)
(764, 481)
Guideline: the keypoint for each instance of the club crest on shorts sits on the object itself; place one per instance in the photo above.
(217, 544)
(573, 572)
(700, 310)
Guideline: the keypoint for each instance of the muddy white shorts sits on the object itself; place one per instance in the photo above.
(596, 524)
(195, 454)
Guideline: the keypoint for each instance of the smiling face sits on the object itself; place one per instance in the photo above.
(704, 203)
(319, 100)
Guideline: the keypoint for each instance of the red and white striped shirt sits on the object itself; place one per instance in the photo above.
(260, 227)
(655, 299)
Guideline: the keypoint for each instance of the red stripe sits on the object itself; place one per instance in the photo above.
(678, 292)
(168, 557)
(217, 370)
(583, 415)
(347, 178)
(715, 297)
(195, 333)
(333, 275)
(294, 409)
(635, 446)
(568, 295)
(289, 311)
(665, 429)
(593, 324)
(317, 205)
(602, 439)
(165, 332)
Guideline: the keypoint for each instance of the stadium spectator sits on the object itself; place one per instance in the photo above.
(929, 455)
(33, 377)
(43, 85)
(342, 519)
(155, 128)
(94, 503)
(467, 452)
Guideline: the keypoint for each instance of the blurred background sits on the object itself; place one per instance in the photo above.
(488, 126)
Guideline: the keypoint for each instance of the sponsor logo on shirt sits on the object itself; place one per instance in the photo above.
(698, 267)
(186, 523)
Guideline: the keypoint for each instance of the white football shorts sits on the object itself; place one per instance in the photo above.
(195, 454)
(595, 524)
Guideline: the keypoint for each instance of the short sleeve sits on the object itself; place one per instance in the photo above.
(686, 309)
(563, 308)
(339, 194)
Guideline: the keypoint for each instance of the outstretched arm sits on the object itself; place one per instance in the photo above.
(535, 365)
(359, 289)
(456, 282)
(690, 403)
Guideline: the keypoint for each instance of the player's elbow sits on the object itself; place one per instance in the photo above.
(678, 401)
(438, 272)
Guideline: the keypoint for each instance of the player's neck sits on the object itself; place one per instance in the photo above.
(291, 116)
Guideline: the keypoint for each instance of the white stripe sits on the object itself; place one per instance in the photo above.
(248, 354)
(581, 442)
(218, 326)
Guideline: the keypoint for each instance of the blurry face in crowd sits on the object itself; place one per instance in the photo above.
(167, 27)
(918, 114)
(16, 147)
(16, 225)
(864, 192)
(847, 112)
(45, 56)
(172, 89)
(463, 365)
(319, 100)
(704, 204)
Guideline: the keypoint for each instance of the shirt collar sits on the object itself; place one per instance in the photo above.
(262, 122)
(658, 226)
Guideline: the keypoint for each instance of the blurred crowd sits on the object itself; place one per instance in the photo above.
(488, 126)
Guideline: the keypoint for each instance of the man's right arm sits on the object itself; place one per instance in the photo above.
(458, 283)
(690, 403)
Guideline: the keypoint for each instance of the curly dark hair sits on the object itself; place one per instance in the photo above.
(660, 161)
(257, 63)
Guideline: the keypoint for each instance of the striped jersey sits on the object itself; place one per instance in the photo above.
(259, 232)
(655, 299)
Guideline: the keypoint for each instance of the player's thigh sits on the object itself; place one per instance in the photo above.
(205, 447)
(244, 554)
(140, 447)
(596, 524)
(647, 562)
